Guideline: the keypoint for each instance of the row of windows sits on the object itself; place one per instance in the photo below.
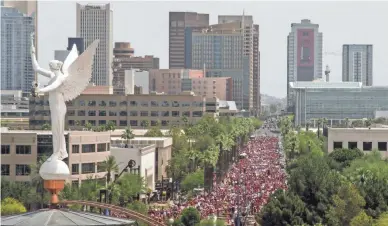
(20, 149)
(93, 103)
(134, 113)
(87, 168)
(143, 123)
(86, 148)
(21, 170)
(89, 148)
(366, 146)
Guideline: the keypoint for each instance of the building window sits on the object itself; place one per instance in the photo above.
(133, 113)
(154, 103)
(92, 103)
(133, 122)
(305, 34)
(75, 169)
(75, 183)
(144, 113)
(367, 146)
(112, 104)
(337, 145)
(75, 148)
(92, 113)
(352, 145)
(102, 113)
(23, 149)
(100, 167)
(102, 103)
(123, 103)
(23, 170)
(175, 104)
(71, 113)
(5, 149)
(123, 113)
(108, 146)
(88, 168)
(133, 103)
(165, 113)
(186, 114)
(4, 170)
(123, 123)
(112, 113)
(154, 114)
(154, 123)
(175, 113)
(197, 113)
(165, 122)
(101, 147)
(81, 103)
(81, 113)
(165, 104)
(382, 146)
(144, 103)
(88, 148)
(101, 122)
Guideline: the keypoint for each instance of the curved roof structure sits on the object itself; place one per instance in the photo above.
(62, 217)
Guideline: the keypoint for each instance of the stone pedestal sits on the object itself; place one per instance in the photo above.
(54, 174)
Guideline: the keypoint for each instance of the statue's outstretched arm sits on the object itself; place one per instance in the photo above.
(35, 64)
(58, 81)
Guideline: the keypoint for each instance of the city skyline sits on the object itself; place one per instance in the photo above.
(337, 29)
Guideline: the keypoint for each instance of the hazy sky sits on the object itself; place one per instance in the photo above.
(145, 25)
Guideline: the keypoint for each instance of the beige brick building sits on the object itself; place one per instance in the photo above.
(136, 111)
(21, 149)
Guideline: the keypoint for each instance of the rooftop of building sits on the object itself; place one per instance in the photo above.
(62, 217)
(228, 104)
(324, 85)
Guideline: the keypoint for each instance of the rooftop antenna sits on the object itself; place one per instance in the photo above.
(327, 73)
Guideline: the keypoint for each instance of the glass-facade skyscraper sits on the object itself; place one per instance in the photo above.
(17, 72)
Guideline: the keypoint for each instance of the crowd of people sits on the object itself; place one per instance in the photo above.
(245, 188)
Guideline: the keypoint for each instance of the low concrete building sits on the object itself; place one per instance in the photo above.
(14, 109)
(163, 147)
(143, 155)
(364, 139)
(21, 149)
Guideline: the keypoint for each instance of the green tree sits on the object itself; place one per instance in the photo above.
(11, 206)
(362, 219)
(37, 182)
(345, 156)
(139, 207)
(46, 126)
(110, 126)
(110, 166)
(88, 126)
(145, 124)
(382, 220)
(130, 185)
(347, 204)
(193, 180)
(283, 208)
(127, 135)
(154, 132)
(190, 216)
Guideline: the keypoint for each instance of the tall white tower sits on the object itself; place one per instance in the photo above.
(95, 21)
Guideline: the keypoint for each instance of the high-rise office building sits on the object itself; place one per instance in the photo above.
(357, 64)
(178, 21)
(29, 8)
(227, 50)
(61, 55)
(95, 21)
(304, 55)
(17, 72)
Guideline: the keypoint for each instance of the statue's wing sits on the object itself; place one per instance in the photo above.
(70, 59)
(79, 73)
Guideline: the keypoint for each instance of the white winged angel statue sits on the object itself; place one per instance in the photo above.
(68, 80)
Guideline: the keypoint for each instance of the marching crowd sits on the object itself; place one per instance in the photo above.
(245, 188)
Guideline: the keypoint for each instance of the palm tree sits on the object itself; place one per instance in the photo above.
(127, 135)
(307, 126)
(347, 122)
(144, 123)
(368, 122)
(109, 165)
(111, 126)
(88, 126)
(37, 180)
